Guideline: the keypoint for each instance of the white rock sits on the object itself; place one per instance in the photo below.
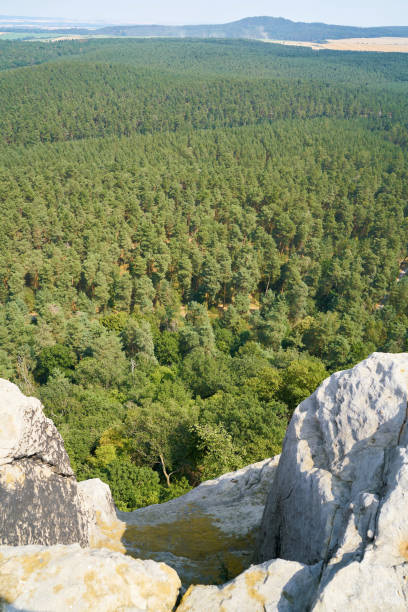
(274, 585)
(105, 530)
(364, 587)
(39, 498)
(343, 446)
(391, 535)
(25, 432)
(61, 578)
(209, 534)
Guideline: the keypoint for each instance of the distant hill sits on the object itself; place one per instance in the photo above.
(258, 28)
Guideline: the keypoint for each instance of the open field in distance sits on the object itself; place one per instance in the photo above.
(383, 44)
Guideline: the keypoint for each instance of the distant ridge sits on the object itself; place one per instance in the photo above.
(267, 28)
(259, 28)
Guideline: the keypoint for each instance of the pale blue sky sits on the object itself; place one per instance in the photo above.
(347, 12)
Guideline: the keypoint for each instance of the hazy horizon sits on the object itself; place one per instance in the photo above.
(363, 13)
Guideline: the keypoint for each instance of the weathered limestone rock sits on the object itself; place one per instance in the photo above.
(40, 506)
(41, 503)
(105, 530)
(209, 534)
(342, 481)
(61, 578)
(274, 585)
(380, 581)
(39, 499)
(25, 432)
(363, 587)
(340, 494)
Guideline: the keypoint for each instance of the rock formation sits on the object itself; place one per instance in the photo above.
(334, 531)
(342, 458)
(39, 498)
(60, 578)
(209, 534)
(338, 504)
(341, 488)
(105, 530)
(274, 585)
(45, 518)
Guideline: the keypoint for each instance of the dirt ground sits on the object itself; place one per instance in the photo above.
(394, 45)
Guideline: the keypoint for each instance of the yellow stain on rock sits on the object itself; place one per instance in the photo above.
(10, 587)
(123, 571)
(116, 589)
(108, 535)
(12, 582)
(144, 584)
(187, 594)
(403, 549)
(90, 582)
(252, 580)
(33, 563)
(122, 583)
(220, 556)
(12, 476)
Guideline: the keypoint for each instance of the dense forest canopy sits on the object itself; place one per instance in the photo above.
(194, 234)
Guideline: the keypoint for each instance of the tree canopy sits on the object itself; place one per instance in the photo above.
(194, 235)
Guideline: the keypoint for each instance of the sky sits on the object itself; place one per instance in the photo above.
(345, 12)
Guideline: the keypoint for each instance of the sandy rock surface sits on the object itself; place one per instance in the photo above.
(61, 578)
(209, 534)
(274, 585)
(105, 530)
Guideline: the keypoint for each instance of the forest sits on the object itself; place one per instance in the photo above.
(194, 234)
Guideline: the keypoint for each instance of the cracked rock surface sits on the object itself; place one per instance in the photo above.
(105, 529)
(274, 585)
(26, 433)
(340, 493)
(47, 519)
(39, 498)
(340, 467)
